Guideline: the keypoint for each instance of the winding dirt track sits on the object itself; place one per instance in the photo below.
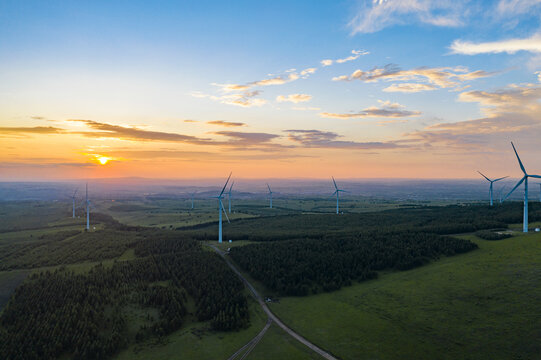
(269, 313)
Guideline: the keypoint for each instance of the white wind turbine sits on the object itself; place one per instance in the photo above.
(87, 209)
(491, 185)
(337, 192)
(192, 196)
(73, 203)
(270, 196)
(229, 196)
(525, 181)
(220, 209)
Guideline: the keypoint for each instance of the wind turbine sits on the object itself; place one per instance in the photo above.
(525, 181)
(229, 196)
(220, 209)
(491, 183)
(73, 202)
(337, 192)
(87, 209)
(500, 193)
(192, 195)
(270, 195)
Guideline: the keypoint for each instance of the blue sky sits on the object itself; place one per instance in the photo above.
(442, 85)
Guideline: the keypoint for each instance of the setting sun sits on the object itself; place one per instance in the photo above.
(103, 160)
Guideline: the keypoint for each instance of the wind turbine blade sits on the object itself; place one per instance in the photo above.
(336, 187)
(334, 193)
(500, 178)
(535, 176)
(75, 192)
(225, 212)
(483, 175)
(518, 158)
(226, 183)
(270, 192)
(516, 186)
(231, 187)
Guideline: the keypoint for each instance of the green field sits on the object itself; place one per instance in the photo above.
(480, 305)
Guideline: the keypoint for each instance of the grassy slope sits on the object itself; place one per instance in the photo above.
(193, 341)
(480, 305)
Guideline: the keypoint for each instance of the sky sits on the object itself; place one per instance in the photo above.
(269, 89)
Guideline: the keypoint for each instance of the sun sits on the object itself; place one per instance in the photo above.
(103, 160)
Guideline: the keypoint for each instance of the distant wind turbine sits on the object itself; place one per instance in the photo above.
(192, 196)
(229, 196)
(337, 192)
(525, 181)
(73, 203)
(491, 185)
(220, 209)
(501, 192)
(270, 196)
(87, 209)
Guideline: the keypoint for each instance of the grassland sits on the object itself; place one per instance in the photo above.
(480, 305)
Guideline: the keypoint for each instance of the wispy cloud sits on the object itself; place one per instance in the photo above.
(243, 99)
(443, 77)
(355, 54)
(378, 14)
(511, 111)
(328, 139)
(510, 46)
(386, 110)
(294, 98)
(21, 131)
(409, 87)
(226, 123)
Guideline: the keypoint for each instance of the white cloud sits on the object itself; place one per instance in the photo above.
(511, 46)
(294, 98)
(538, 73)
(326, 62)
(409, 88)
(444, 77)
(383, 13)
(387, 109)
(514, 7)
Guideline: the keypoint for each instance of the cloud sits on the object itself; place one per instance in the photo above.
(538, 73)
(355, 54)
(327, 139)
(226, 123)
(294, 98)
(243, 99)
(379, 14)
(276, 80)
(18, 131)
(326, 62)
(308, 71)
(409, 88)
(509, 112)
(511, 46)
(133, 133)
(190, 121)
(443, 77)
(387, 110)
(515, 7)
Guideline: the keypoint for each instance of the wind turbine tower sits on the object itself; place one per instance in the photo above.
(229, 196)
(220, 209)
(73, 203)
(193, 194)
(270, 196)
(87, 209)
(525, 181)
(491, 185)
(337, 192)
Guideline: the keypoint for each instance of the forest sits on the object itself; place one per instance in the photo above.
(443, 220)
(56, 313)
(306, 266)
